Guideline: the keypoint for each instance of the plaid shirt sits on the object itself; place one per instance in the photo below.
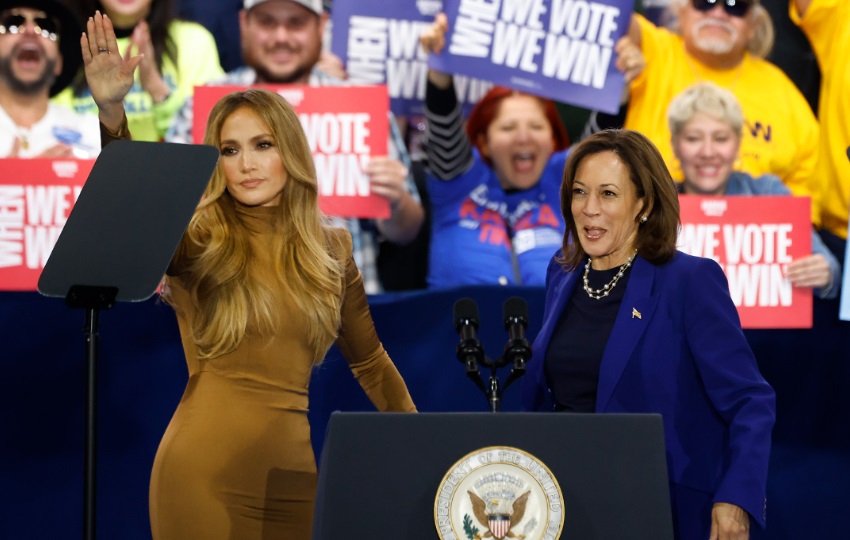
(364, 232)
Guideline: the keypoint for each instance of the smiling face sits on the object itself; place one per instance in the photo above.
(715, 32)
(707, 149)
(126, 13)
(29, 63)
(519, 142)
(281, 40)
(605, 209)
(252, 165)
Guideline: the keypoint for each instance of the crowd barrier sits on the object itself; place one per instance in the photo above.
(143, 374)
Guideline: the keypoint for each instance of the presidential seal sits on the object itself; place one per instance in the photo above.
(499, 492)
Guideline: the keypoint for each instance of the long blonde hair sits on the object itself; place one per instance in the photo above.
(220, 285)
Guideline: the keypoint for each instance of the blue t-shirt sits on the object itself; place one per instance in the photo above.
(481, 234)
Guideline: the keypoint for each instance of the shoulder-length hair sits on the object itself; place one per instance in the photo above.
(220, 284)
(656, 238)
(487, 109)
(707, 98)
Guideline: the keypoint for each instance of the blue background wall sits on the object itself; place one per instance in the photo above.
(142, 375)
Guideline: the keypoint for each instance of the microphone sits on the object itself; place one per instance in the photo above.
(469, 350)
(518, 349)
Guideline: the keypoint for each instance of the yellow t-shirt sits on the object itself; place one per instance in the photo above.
(197, 64)
(827, 25)
(780, 130)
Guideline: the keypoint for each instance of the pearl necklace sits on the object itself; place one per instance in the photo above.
(599, 294)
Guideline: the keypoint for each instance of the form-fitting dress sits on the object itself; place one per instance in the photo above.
(236, 460)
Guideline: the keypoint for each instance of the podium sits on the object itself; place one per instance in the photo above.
(380, 473)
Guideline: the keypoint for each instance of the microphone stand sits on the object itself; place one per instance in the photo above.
(471, 353)
(516, 354)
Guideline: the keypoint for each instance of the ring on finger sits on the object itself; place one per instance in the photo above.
(102, 50)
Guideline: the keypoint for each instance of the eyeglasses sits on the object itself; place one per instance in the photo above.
(733, 8)
(15, 21)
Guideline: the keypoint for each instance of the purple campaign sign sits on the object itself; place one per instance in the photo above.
(378, 40)
(560, 49)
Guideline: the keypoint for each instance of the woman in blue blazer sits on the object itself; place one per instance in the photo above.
(633, 326)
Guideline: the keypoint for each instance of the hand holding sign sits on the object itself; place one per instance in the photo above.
(810, 271)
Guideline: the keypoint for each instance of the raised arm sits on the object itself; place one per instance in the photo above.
(109, 76)
(447, 147)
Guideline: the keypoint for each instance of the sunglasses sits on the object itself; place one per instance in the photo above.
(15, 21)
(733, 8)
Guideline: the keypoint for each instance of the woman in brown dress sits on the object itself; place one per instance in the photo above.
(262, 287)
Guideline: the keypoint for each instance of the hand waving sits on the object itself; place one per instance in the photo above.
(109, 76)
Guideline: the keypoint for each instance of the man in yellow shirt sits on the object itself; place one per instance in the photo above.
(725, 42)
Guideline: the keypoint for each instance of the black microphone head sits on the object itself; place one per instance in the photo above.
(466, 312)
(515, 309)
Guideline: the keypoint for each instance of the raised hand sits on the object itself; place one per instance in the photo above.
(109, 76)
(630, 60)
(149, 74)
(433, 40)
(332, 65)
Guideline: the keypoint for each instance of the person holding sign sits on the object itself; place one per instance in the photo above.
(494, 192)
(262, 287)
(38, 58)
(725, 42)
(631, 325)
(706, 123)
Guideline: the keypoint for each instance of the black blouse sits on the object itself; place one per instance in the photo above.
(578, 341)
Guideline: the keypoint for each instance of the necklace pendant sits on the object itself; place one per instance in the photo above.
(25, 144)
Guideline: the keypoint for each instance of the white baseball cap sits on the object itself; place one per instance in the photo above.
(313, 5)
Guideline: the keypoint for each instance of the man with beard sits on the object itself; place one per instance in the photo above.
(282, 44)
(725, 42)
(39, 56)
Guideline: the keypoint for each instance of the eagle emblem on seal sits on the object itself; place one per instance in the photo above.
(496, 515)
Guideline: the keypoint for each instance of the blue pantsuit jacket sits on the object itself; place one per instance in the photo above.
(677, 349)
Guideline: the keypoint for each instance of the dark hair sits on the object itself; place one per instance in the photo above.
(656, 238)
(159, 19)
(488, 108)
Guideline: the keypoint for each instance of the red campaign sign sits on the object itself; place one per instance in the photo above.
(36, 197)
(754, 239)
(345, 125)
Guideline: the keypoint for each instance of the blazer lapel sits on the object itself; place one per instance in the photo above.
(557, 300)
(634, 315)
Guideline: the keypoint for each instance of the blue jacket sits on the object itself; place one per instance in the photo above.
(677, 349)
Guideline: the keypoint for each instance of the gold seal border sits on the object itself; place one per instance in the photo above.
(482, 450)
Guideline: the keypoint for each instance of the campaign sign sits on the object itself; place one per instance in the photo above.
(345, 126)
(560, 49)
(754, 239)
(379, 43)
(36, 197)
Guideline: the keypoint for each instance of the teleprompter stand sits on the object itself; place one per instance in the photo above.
(116, 246)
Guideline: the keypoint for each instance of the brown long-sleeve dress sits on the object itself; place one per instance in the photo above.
(236, 460)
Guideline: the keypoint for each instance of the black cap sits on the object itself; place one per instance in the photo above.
(70, 29)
